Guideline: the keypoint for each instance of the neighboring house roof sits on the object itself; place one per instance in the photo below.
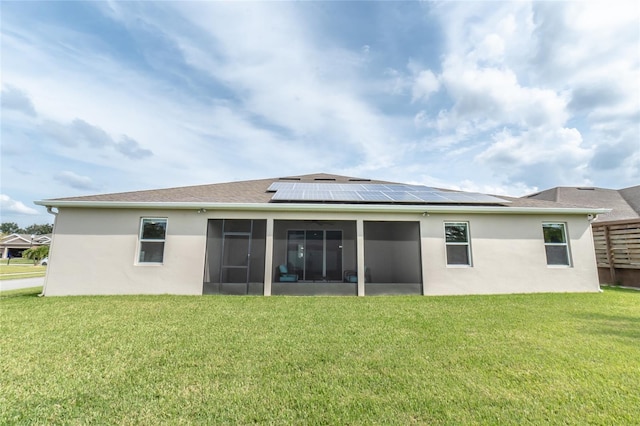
(25, 240)
(255, 194)
(624, 203)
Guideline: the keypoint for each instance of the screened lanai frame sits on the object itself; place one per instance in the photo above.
(319, 255)
(236, 255)
(392, 257)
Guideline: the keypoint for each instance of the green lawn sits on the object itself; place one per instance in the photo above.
(16, 261)
(12, 272)
(520, 359)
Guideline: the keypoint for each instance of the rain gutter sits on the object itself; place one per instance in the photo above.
(308, 207)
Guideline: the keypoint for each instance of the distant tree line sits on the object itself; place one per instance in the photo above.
(7, 228)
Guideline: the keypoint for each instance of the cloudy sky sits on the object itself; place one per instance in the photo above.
(495, 97)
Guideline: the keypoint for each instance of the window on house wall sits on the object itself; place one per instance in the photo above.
(152, 237)
(555, 243)
(457, 243)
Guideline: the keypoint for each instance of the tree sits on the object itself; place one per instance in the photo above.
(10, 228)
(35, 229)
(36, 253)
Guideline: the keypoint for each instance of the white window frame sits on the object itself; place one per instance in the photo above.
(565, 244)
(141, 240)
(467, 244)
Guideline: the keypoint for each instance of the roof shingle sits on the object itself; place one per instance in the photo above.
(624, 203)
(255, 191)
(250, 191)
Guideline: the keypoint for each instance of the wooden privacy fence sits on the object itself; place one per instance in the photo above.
(617, 245)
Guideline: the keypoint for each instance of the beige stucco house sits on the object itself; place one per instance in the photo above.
(14, 244)
(317, 234)
(616, 233)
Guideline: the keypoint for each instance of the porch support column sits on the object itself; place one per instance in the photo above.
(268, 258)
(360, 255)
(423, 254)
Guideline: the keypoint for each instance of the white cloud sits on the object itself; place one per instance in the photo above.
(79, 133)
(557, 156)
(491, 48)
(74, 180)
(131, 148)
(424, 84)
(518, 75)
(9, 205)
(494, 95)
(287, 79)
(15, 99)
(222, 91)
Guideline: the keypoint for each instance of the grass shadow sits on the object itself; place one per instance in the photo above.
(22, 292)
(612, 325)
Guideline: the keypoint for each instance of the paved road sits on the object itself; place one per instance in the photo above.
(21, 283)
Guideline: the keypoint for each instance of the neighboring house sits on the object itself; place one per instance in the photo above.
(624, 203)
(616, 234)
(13, 245)
(317, 234)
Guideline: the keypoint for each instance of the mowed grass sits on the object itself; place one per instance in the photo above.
(517, 359)
(11, 272)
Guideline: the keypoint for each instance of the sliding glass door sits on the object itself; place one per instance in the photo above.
(315, 255)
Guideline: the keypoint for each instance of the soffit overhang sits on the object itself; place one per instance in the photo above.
(328, 207)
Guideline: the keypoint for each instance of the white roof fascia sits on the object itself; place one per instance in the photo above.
(15, 237)
(300, 207)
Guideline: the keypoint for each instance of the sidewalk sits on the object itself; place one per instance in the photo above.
(21, 283)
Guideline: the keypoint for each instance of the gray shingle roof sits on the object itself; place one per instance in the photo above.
(624, 203)
(250, 191)
(255, 191)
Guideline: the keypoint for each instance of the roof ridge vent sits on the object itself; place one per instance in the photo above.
(586, 188)
(359, 180)
(289, 178)
(325, 179)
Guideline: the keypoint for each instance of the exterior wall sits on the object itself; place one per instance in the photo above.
(94, 252)
(508, 256)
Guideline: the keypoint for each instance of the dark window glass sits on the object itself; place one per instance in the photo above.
(456, 233)
(554, 233)
(152, 235)
(457, 243)
(555, 243)
(154, 229)
(152, 252)
(557, 255)
(457, 255)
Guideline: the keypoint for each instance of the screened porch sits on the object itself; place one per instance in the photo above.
(312, 257)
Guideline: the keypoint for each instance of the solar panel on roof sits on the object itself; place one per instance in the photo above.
(401, 196)
(346, 196)
(385, 193)
(460, 197)
(430, 197)
(374, 196)
(280, 185)
(374, 187)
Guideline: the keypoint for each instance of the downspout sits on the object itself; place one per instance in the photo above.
(53, 233)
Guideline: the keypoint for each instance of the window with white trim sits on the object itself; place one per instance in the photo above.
(457, 243)
(556, 245)
(152, 237)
